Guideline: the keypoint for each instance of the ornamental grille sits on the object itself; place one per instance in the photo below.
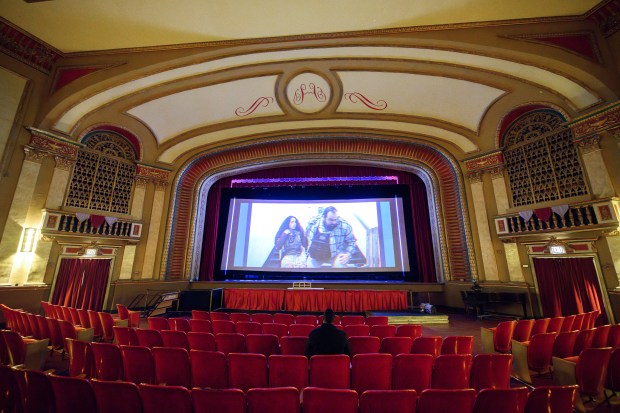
(103, 175)
(541, 160)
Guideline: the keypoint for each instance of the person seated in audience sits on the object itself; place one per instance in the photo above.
(327, 339)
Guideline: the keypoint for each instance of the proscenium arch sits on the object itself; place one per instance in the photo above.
(432, 163)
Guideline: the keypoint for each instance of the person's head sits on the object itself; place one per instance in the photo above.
(330, 218)
(291, 223)
(328, 316)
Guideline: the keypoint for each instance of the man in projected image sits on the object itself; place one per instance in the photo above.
(331, 242)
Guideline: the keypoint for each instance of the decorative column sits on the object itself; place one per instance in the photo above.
(154, 229)
(137, 202)
(14, 265)
(613, 243)
(487, 250)
(586, 134)
(65, 154)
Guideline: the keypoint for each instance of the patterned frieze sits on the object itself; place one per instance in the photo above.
(487, 161)
(596, 122)
(475, 176)
(153, 174)
(589, 143)
(34, 154)
(64, 163)
(53, 144)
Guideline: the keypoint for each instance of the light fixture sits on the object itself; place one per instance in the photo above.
(28, 240)
(557, 247)
(91, 252)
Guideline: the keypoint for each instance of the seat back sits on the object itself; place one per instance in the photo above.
(540, 326)
(371, 372)
(277, 329)
(382, 331)
(613, 340)
(262, 318)
(72, 394)
(236, 317)
(567, 324)
(138, 365)
(288, 371)
(10, 390)
(201, 341)
(564, 344)
(179, 324)
(356, 330)
(452, 371)
(347, 320)
(396, 345)
(583, 341)
(555, 325)
(322, 400)
(613, 371)
(217, 315)
(426, 345)
(307, 319)
(248, 327)
(284, 318)
(404, 364)
(591, 370)
(123, 311)
(409, 330)
(230, 343)
(293, 345)
(523, 330)
(107, 326)
(81, 361)
(501, 400)
(201, 315)
(377, 320)
(43, 327)
(84, 319)
(265, 344)
(200, 326)
(55, 333)
(503, 335)
(15, 346)
(175, 338)
(300, 330)
(330, 371)
(75, 317)
(172, 366)
(263, 400)
(247, 370)
(491, 371)
(67, 330)
(539, 352)
(108, 361)
(457, 345)
(165, 399)
(223, 326)
(551, 399)
(446, 401)
(364, 345)
(95, 323)
(149, 338)
(388, 401)
(125, 336)
(158, 323)
(578, 321)
(116, 396)
(209, 369)
(39, 393)
(600, 336)
(218, 400)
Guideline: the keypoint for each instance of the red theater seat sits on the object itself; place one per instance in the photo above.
(149, 338)
(81, 361)
(426, 345)
(452, 371)
(491, 371)
(293, 345)
(72, 394)
(446, 401)
(116, 396)
(306, 319)
(218, 401)
(201, 315)
(138, 366)
(523, 330)
(377, 320)
(165, 399)
(277, 329)
(382, 331)
(412, 372)
(457, 345)
(125, 336)
(223, 326)
(300, 330)
(265, 344)
(330, 371)
(201, 341)
(321, 400)
(108, 361)
(540, 326)
(371, 372)
(173, 338)
(179, 324)
(262, 318)
(288, 371)
(364, 344)
(230, 343)
(216, 315)
(356, 330)
(264, 400)
(237, 317)
(158, 323)
(200, 326)
(172, 366)
(396, 345)
(247, 371)
(409, 330)
(209, 369)
(284, 318)
(551, 399)
(248, 327)
(388, 401)
(347, 320)
(501, 400)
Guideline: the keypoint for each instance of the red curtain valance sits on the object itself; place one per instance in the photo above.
(314, 300)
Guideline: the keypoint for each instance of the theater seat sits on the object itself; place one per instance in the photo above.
(288, 371)
(501, 400)
(116, 396)
(371, 372)
(388, 401)
(72, 394)
(364, 344)
(218, 400)
(209, 369)
(247, 371)
(165, 399)
(446, 401)
(412, 372)
(551, 399)
(322, 400)
(330, 371)
(281, 399)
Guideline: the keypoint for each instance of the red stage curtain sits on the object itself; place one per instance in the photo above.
(568, 286)
(314, 300)
(423, 265)
(81, 283)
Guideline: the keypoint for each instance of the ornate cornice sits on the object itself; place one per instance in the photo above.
(611, 233)
(34, 154)
(152, 173)
(64, 163)
(486, 161)
(589, 143)
(497, 172)
(475, 176)
(596, 122)
(53, 144)
(24, 47)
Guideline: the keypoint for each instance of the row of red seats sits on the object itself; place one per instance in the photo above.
(268, 344)
(35, 391)
(199, 368)
(287, 318)
(279, 329)
(523, 330)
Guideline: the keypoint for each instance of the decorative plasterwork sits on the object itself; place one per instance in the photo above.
(475, 176)
(486, 161)
(156, 175)
(308, 92)
(607, 17)
(596, 122)
(269, 152)
(23, 47)
(589, 143)
(53, 144)
(576, 94)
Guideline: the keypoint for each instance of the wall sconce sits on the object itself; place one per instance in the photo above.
(28, 240)
(91, 252)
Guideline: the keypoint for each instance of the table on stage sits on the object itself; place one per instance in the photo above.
(314, 300)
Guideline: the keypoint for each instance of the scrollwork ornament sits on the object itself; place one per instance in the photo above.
(34, 155)
(611, 233)
(475, 176)
(64, 163)
(508, 240)
(160, 185)
(140, 182)
(497, 172)
(589, 144)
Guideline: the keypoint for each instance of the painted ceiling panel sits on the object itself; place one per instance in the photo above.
(455, 101)
(172, 115)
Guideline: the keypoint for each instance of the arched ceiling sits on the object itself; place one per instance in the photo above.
(319, 78)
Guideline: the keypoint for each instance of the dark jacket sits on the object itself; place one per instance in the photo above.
(327, 339)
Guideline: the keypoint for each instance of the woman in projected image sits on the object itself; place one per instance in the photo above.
(290, 245)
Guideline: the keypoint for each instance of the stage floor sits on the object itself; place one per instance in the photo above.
(411, 317)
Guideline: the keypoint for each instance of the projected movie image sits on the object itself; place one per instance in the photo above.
(315, 236)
